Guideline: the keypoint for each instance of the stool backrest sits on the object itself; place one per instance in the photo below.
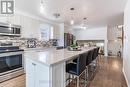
(81, 63)
(95, 53)
(89, 57)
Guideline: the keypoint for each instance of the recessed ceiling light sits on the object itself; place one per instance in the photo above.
(84, 18)
(72, 9)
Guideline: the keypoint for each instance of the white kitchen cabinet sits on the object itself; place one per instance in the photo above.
(30, 27)
(41, 75)
(26, 25)
(56, 32)
(3, 19)
(14, 19)
(30, 73)
(37, 75)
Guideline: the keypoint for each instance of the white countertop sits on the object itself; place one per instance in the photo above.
(52, 56)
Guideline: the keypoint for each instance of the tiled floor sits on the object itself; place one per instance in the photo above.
(109, 75)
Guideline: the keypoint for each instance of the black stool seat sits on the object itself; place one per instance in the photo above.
(77, 68)
(71, 68)
(75, 60)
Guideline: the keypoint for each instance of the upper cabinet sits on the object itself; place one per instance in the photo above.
(3, 19)
(16, 19)
(30, 27)
(56, 32)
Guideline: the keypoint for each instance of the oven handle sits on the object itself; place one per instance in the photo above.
(11, 53)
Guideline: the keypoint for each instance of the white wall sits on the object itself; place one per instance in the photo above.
(126, 59)
(99, 33)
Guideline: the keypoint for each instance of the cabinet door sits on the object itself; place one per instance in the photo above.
(42, 76)
(56, 32)
(26, 27)
(4, 19)
(30, 74)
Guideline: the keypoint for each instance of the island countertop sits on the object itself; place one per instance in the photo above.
(52, 56)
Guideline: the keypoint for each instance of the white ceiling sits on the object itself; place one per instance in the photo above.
(97, 11)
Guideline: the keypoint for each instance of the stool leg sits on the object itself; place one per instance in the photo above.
(85, 78)
(69, 79)
(77, 81)
(87, 72)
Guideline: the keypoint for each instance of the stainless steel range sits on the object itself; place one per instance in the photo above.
(11, 62)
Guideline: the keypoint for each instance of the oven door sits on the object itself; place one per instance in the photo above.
(10, 62)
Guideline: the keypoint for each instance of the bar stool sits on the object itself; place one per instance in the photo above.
(77, 69)
(94, 64)
(88, 62)
(94, 54)
(89, 57)
(97, 54)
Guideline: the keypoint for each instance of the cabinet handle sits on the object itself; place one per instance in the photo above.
(34, 64)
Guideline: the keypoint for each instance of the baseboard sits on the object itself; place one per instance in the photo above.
(128, 85)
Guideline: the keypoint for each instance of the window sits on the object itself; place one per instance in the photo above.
(51, 33)
(46, 32)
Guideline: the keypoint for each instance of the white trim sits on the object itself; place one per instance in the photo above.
(128, 85)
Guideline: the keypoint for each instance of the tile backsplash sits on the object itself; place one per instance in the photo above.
(22, 42)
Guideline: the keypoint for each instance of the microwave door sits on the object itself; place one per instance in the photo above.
(5, 29)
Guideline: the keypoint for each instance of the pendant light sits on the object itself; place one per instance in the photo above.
(72, 20)
(84, 23)
(42, 6)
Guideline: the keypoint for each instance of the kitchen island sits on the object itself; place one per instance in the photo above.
(46, 68)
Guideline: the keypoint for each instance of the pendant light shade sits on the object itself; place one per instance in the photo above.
(72, 22)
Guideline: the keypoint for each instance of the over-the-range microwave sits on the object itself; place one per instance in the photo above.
(10, 29)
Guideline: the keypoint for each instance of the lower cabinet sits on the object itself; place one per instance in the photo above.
(41, 75)
(37, 75)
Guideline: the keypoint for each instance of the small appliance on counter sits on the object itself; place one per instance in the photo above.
(55, 42)
(31, 43)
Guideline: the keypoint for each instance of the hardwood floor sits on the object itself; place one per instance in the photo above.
(15, 82)
(108, 75)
